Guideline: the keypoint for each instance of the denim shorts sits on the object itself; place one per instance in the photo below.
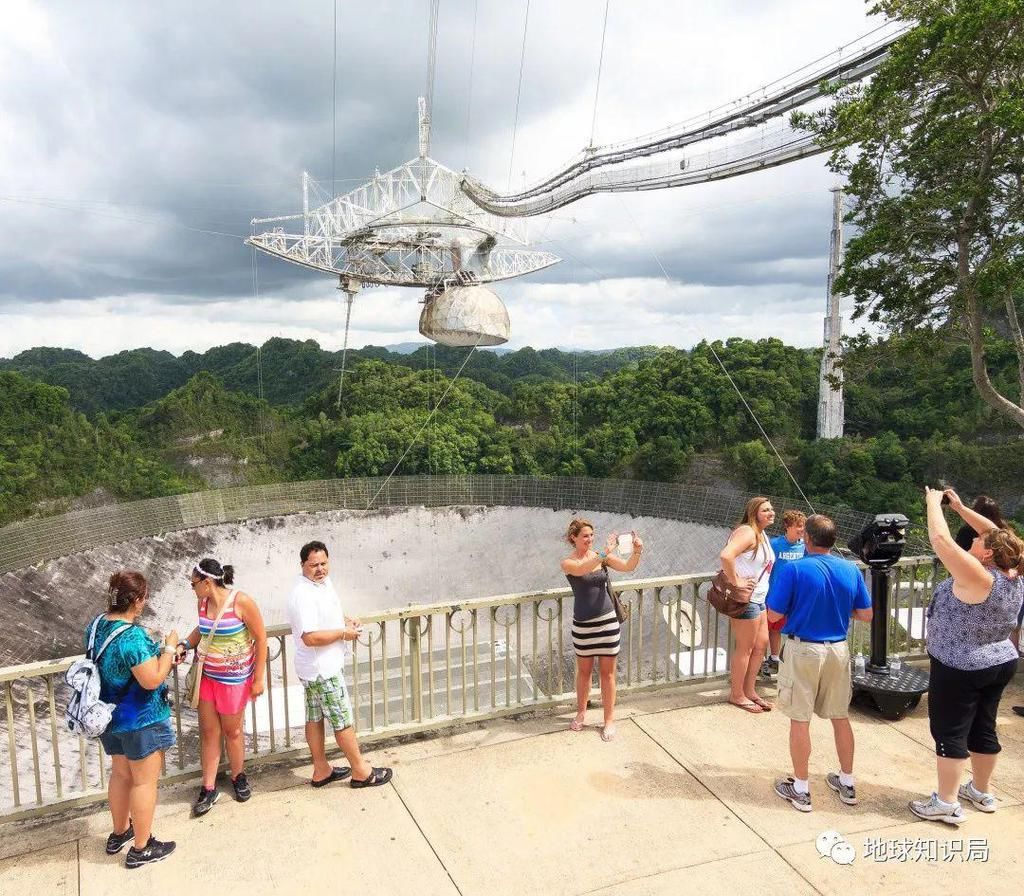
(141, 742)
(751, 611)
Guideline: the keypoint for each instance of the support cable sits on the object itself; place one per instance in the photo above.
(334, 107)
(426, 423)
(725, 370)
(349, 295)
(259, 353)
(469, 93)
(432, 53)
(600, 64)
(519, 93)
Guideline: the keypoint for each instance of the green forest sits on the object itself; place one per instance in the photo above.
(146, 423)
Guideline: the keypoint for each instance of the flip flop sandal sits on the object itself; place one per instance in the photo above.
(764, 704)
(377, 777)
(747, 707)
(575, 725)
(608, 734)
(337, 774)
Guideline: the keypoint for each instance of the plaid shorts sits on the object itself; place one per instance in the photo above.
(328, 698)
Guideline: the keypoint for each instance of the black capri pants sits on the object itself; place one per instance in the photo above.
(962, 708)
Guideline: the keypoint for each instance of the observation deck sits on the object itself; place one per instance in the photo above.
(469, 700)
(681, 801)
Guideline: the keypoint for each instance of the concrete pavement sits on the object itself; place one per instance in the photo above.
(682, 800)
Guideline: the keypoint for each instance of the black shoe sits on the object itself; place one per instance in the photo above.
(154, 851)
(242, 789)
(117, 842)
(337, 774)
(376, 777)
(1019, 710)
(205, 801)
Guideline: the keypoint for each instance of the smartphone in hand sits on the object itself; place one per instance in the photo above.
(625, 543)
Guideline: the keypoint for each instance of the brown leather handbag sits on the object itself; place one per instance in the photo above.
(729, 599)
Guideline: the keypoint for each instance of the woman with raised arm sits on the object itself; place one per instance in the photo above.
(988, 508)
(970, 619)
(234, 672)
(747, 560)
(133, 670)
(595, 628)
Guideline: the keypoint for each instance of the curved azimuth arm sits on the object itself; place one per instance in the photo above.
(583, 175)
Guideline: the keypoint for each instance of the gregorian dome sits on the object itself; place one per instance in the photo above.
(465, 315)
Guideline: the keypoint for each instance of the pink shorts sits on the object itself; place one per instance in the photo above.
(227, 699)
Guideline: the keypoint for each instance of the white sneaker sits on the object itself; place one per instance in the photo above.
(933, 809)
(984, 802)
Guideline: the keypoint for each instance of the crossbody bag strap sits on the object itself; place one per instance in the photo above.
(213, 628)
(110, 638)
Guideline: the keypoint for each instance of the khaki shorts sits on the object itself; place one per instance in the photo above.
(815, 679)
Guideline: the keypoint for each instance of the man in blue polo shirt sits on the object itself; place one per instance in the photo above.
(817, 594)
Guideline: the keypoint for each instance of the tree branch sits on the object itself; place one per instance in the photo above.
(1018, 338)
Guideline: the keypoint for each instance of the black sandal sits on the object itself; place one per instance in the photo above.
(337, 774)
(377, 777)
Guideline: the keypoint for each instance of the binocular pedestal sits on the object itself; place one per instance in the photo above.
(891, 694)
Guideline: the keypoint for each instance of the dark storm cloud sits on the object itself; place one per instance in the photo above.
(136, 126)
(156, 119)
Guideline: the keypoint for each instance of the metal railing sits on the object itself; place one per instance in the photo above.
(417, 669)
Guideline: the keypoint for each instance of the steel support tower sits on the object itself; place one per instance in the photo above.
(830, 384)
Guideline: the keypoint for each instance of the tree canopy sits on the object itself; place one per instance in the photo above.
(649, 416)
(932, 154)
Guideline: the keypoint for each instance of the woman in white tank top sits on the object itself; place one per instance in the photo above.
(747, 558)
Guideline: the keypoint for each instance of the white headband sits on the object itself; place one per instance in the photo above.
(207, 575)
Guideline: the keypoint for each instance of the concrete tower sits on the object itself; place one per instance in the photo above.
(830, 398)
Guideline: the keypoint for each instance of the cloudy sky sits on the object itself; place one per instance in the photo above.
(139, 140)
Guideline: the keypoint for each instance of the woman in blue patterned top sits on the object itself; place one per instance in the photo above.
(970, 619)
(133, 670)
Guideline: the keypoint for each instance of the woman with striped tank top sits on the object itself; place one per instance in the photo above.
(595, 629)
(234, 672)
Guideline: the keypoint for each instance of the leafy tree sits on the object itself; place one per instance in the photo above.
(663, 460)
(760, 469)
(932, 151)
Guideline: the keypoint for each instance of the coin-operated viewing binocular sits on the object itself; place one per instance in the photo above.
(880, 543)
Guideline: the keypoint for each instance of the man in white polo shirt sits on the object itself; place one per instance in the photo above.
(320, 629)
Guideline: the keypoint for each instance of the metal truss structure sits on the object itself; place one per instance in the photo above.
(704, 148)
(411, 226)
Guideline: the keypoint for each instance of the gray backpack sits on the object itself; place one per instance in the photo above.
(86, 714)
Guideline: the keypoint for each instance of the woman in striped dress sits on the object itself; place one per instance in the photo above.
(234, 672)
(595, 630)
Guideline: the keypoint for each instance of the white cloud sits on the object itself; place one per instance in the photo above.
(129, 130)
